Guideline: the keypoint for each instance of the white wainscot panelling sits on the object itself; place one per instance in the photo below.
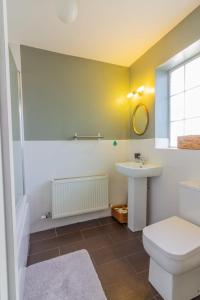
(178, 165)
(23, 229)
(45, 160)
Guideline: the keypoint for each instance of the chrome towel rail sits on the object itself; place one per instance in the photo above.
(87, 137)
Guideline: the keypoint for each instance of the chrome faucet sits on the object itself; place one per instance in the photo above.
(139, 158)
(142, 161)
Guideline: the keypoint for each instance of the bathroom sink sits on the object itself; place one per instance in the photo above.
(138, 170)
(137, 174)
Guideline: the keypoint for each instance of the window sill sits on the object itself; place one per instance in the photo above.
(163, 144)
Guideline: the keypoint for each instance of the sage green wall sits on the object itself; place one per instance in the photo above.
(65, 94)
(142, 72)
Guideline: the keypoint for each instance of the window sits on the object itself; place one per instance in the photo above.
(184, 94)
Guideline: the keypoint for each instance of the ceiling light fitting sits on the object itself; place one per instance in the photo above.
(67, 11)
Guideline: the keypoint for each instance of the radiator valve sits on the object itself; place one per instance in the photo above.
(46, 216)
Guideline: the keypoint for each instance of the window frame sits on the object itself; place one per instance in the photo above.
(171, 70)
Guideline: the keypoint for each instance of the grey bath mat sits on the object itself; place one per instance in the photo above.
(68, 277)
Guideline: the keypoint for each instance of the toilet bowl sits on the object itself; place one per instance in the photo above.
(174, 249)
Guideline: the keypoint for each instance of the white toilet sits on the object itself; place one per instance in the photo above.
(174, 248)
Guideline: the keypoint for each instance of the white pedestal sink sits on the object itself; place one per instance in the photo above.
(137, 190)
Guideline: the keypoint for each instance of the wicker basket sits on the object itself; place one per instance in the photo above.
(121, 217)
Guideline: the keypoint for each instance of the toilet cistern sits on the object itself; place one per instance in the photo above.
(137, 173)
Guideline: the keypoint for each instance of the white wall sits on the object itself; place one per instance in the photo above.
(178, 165)
(22, 206)
(22, 218)
(23, 230)
(45, 160)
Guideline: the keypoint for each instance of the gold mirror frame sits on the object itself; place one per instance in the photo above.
(136, 131)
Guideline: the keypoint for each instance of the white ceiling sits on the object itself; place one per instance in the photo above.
(114, 31)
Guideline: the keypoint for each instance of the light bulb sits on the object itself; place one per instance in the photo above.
(130, 95)
(67, 11)
(140, 90)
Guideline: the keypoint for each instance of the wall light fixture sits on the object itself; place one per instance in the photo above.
(138, 92)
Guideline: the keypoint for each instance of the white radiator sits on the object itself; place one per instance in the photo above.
(74, 196)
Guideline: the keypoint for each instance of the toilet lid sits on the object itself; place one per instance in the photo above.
(175, 236)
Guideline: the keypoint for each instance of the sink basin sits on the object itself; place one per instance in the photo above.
(138, 170)
(137, 190)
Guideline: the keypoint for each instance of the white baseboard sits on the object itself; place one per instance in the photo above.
(50, 223)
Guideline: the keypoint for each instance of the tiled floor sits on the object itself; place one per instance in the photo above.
(117, 254)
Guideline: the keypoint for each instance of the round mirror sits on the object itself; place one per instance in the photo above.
(140, 119)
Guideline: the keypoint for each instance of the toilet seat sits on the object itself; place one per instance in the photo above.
(174, 244)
